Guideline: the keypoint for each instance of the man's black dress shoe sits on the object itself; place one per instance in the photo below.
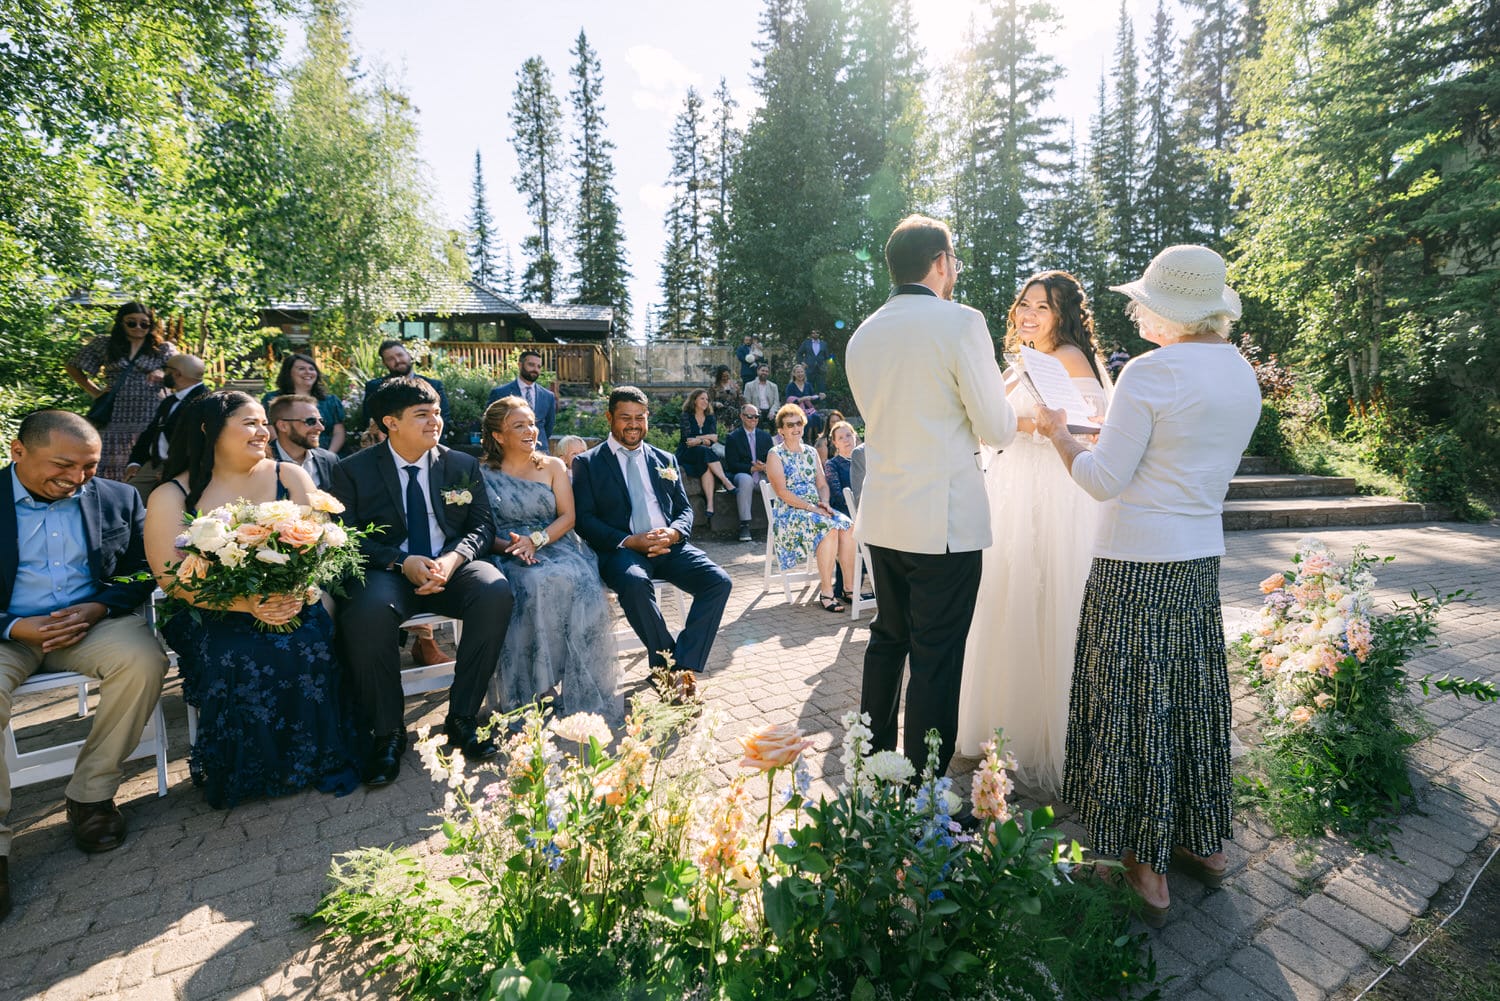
(4, 886)
(462, 734)
(383, 763)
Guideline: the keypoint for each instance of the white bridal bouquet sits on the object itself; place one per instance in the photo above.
(278, 547)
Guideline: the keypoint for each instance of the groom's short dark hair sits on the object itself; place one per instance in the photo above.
(915, 243)
(626, 394)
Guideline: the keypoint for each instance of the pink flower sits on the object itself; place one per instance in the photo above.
(1275, 582)
(251, 534)
(1300, 715)
(299, 534)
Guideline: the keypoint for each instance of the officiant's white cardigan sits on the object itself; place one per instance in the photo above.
(924, 378)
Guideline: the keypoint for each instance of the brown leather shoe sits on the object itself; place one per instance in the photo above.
(425, 651)
(97, 827)
(4, 886)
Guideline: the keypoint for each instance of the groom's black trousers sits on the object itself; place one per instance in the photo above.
(924, 604)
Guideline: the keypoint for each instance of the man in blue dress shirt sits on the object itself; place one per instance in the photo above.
(66, 542)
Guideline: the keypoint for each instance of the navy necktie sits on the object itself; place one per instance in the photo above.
(418, 534)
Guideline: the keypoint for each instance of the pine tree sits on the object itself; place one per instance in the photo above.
(480, 253)
(602, 276)
(1067, 219)
(724, 148)
(1112, 326)
(534, 118)
(1121, 161)
(1008, 152)
(1164, 207)
(685, 273)
(1211, 56)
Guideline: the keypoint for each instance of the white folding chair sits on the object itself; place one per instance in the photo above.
(858, 604)
(808, 571)
(59, 760)
(625, 638)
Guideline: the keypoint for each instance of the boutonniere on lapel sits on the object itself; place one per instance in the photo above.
(667, 472)
(461, 494)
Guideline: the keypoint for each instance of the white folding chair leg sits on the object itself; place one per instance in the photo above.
(857, 603)
(788, 577)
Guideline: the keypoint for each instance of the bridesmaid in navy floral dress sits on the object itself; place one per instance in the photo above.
(271, 719)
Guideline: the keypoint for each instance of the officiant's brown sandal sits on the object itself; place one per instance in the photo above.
(1197, 868)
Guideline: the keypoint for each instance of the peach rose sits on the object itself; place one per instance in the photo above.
(299, 534)
(773, 747)
(1323, 700)
(193, 567)
(318, 500)
(251, 534)
(1272, 583)
(1300, 715)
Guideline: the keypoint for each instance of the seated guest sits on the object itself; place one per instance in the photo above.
(726, 399)
(824, 444)
(183, 375)
(536, 396)
(762, 392)
(838, 471)
(699, 433)
(857, 471)
(70, 545)
(633, 509)
(801, 393)
(298, 426)
(300, 374)
(745, 459)
(559, 627)
(804, 523)
(399, 364)
(569, 447)
(426, 554)
(271, 717)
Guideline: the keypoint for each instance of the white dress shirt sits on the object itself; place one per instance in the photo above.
(638, 454)
(424, 467)
(161, 439)
(311, 468)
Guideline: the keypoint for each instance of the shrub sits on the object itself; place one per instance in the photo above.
(1436, 468)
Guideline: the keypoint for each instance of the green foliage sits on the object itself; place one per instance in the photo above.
(1437, 472)
(535, 115)
(625, 874)
(1337, 703)
(598, 242)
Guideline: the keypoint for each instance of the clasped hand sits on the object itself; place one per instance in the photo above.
(522, 548)
(276, 609)
(60, 629)
(428, 574)
(653, 543)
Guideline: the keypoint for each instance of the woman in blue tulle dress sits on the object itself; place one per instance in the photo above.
(559, 643)
(271, 717)
(805, 525)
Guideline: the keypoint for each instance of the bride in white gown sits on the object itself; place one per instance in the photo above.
(1018, 663)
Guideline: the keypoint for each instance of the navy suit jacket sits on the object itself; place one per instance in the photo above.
(114, 522)
(546, 409)
(374, 494)
(602, 500)
(374, 384)
(737, 449)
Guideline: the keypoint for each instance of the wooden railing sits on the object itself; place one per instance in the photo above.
(585, 364)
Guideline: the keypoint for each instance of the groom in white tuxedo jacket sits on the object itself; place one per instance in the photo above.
(923, 372)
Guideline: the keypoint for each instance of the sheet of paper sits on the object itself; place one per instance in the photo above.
(1056, 387)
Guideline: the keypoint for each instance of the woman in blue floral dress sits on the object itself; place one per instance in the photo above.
(804, 523)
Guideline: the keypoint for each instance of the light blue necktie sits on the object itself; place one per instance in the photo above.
(640, 514)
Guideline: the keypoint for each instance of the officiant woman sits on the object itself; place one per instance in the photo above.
(1147, 759)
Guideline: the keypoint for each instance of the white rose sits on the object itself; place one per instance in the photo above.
(232, 555)
(272, 556)
(334, 534)
(207, 534)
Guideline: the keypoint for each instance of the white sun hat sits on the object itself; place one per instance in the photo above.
(1184, 284)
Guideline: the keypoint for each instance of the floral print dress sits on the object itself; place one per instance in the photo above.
(136, 398)
(798, 532)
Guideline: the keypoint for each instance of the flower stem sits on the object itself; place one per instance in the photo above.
(770, 807)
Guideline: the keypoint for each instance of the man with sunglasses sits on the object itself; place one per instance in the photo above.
(297, 423)
(745, 460)
(183, 374)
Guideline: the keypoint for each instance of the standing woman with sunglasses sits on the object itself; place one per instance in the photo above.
(132, 358)
(300, 375)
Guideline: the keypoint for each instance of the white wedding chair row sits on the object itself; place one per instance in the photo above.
(862, 573)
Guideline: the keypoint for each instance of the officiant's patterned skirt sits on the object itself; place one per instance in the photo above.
(1147, 761)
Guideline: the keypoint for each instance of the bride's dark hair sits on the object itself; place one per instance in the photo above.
(191, 449)
(1075, 320)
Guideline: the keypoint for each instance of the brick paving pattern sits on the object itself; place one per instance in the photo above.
(201, 903)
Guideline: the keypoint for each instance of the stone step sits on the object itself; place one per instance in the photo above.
(1257, 465)
(1289, 485)
(1320, 512)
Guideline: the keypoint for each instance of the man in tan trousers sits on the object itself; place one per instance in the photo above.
(66, 539)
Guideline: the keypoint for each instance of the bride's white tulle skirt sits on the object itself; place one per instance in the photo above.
(1018, 663)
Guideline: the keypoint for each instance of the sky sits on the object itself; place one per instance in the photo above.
(457, 60)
